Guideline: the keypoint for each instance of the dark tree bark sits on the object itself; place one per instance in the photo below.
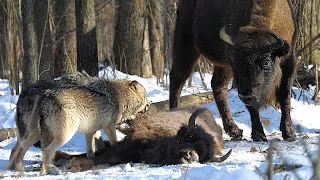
(169, 24)
(65, 57)
(105, 23)
(30, 59)
(155, 23)
(4, 63)
(44, 40)
(87, 51)
(128, 41)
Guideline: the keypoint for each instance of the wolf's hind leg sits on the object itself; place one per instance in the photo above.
(111, 133)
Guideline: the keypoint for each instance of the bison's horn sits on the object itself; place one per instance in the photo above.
(223, 158)
(280, 41)
(224, 36)
(272, 46)
(192, 120)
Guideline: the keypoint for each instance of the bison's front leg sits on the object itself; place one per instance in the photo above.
(219, 83)
(257, 133)
(283, 96)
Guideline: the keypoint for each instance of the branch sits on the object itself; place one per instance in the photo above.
(308, 45)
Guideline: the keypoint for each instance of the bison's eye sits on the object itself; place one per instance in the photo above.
(190, 138)
(267, 65)
(231, 54)
(267, 61)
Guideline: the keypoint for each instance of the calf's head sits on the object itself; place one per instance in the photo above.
(193, 144)
(254, 58)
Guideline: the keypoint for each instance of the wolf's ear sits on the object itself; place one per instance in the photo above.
(134, 85)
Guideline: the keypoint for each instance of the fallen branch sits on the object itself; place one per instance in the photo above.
(308, 45)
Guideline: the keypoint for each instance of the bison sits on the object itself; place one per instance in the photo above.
(163, 138)
(248, 40)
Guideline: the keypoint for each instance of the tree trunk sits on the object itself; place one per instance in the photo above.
(4, 63)
(65, 57)
(46, 66)
(128, 44)
(87, 51)
(30, 60)
(105, 19)
(316, 93)
(169, 17)
(146, 60)
(154, 24)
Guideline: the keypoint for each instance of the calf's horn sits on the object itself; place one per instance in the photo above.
(223, 158)
(192, 119)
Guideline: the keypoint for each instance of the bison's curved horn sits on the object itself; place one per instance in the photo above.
(224, 36)
(223, 158)
(192, 119)
(272, 46)
(280, 41)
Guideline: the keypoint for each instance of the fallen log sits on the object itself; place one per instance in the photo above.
(7, 133)
(193, 99)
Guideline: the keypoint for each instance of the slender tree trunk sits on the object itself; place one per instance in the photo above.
(105, 23)
(146, 61)
(128, 43)
(87, 51)
(316, 93)
(30, 60)
(169, 24)
(4, 63)
(65, 57)
(46, 67)
(169, 18)
(155, 23)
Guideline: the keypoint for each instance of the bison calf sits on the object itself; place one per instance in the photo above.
(165, 138)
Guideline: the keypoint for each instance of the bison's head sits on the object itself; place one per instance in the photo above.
(254, 57)
(193, 144)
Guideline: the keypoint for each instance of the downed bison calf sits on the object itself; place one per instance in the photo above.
(164, 138)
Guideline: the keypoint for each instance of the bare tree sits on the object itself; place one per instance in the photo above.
(128, 43)
(308, 16)
(4, 65)
(65, 55)
(87, 51)
(105, 23)
(154, 10)
(44, 40)
(30, 59)
(169, 24)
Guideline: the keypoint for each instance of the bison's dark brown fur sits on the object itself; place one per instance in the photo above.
(165, 138)
(254, 50)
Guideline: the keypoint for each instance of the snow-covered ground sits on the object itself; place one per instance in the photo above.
(243, 163)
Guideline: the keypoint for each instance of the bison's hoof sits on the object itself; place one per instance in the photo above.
(289, 138)
(258, 137)
(236, 135)
(289, 135)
